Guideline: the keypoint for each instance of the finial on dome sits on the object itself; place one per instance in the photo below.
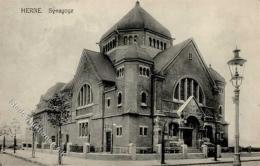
(209, 65)
(137, 3)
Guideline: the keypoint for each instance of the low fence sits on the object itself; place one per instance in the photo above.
(76, 148)
(241, 149)
(46, 146)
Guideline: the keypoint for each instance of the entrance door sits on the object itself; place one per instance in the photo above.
(108, 141)
(187, 137)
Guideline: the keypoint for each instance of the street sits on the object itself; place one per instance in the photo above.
(251, 163)
(7, 160)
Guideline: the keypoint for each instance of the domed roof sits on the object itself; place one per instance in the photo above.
(137, 19)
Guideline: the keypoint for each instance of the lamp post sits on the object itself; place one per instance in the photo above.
(14, 142)
(163, 144)
(236, 67)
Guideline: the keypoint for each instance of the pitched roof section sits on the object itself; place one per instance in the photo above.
(53, 90)
(101, 64)
(42, 105)
(138, 19)
(194, 104)
(215, 75)
(131, 52)
(163, 58)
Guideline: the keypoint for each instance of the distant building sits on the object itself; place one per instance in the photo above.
(139, 81)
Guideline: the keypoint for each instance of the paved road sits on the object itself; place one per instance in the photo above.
(7, 160)
(250, 163)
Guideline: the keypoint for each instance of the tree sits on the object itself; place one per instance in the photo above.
(34, 126)
(58, 115)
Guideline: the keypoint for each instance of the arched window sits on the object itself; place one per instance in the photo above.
(220, 111)
(119, 98)
(85, 95)
(140, 70)
(130, 40)
(158, 46)
(114, 43)
(148, 72)
(187, 87)
(150, 42)
(135, 39)
(161, 43)
(144, 71)
(125, 40)
(154, 43)
(143, 98)
(164, 46)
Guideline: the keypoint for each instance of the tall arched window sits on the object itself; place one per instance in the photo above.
(85, 95)
(143, 98)
(187, 87)
(119, 98)
(220, 111)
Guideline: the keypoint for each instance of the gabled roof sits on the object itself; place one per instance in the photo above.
(215, 75)
(68, 86)
(53, 90)
(138, 19)
(100, 63)
(42, 105)
(186, 103)
(167, 57)
(163, 58)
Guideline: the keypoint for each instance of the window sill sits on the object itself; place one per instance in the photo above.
(85, 106)
(119, 105)
(143, 105)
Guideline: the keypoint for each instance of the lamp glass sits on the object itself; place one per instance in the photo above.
(236, 67)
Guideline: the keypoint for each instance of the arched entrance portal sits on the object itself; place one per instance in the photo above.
(191, 132)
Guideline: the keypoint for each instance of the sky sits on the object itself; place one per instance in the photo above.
(38, 50)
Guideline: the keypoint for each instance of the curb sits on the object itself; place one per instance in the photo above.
(206, 163)
(180, 164)
(26, 159)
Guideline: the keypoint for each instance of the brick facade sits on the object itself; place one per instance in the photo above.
(116, 70)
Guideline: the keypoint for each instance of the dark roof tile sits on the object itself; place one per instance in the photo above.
(138, 18)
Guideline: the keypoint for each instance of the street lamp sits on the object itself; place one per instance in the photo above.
(236, 67)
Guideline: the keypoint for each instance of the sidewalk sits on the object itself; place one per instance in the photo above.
(46, 159)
